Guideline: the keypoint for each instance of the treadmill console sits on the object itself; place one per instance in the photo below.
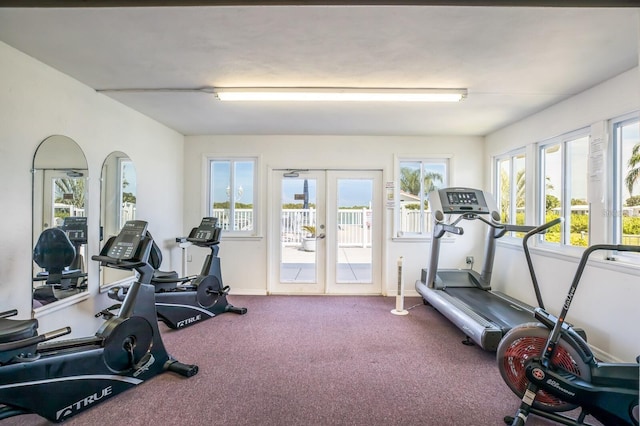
(459, 200)
(76, 229)
(462, 200)
(207, 232)
(125, 245)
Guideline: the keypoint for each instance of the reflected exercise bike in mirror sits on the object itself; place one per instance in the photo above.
(59, 253)
(118, 199)
(181, 302)
(59, 202)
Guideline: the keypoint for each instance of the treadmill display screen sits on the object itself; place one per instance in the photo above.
(462, 198)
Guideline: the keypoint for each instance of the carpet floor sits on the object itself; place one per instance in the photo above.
(316, 360)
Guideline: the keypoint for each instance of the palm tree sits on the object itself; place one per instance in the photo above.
(70, 186)
(634, 168)
(410, 181)
(505, 192)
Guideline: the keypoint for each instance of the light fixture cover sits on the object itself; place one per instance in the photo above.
(339, 94)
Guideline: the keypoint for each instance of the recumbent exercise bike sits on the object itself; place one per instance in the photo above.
(553, 370)
(59, 379)
(185, 301)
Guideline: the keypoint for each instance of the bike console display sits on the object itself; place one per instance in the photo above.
(76, 229)
(208, 231)
(126, 243)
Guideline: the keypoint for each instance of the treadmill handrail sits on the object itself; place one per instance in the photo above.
(441, 228)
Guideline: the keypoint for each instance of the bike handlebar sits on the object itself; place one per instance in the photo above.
(544, 227)
(525, 246)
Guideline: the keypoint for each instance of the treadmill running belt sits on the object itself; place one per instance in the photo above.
(504, 314)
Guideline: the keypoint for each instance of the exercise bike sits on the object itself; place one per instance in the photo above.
(553, 369)
(185, 301)
(59, 379)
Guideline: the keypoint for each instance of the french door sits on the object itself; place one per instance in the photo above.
(325, 232)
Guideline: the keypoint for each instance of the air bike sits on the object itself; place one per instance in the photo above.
(554, 370)
(185, 301)
(59, 379)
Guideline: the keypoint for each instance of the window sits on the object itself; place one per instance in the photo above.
(231, 194)
(510, 194)
(417, 178)
(626, 199)
(563, 183)
(126, 191)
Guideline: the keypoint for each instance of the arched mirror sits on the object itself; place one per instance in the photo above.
(117, 205)
(60, 175)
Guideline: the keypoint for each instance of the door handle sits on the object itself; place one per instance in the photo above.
(321, 236)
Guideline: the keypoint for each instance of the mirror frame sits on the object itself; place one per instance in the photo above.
(114, 209)
(56, 156)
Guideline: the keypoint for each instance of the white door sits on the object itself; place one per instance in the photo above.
(326, 232)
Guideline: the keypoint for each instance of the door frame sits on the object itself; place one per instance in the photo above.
(274, 243)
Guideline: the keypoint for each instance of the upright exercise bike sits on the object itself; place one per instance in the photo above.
(554, 370)
(59, 379)
(181, 302)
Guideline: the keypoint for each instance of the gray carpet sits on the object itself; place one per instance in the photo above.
(316, 360)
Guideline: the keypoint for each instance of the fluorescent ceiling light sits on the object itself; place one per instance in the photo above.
(338, 94)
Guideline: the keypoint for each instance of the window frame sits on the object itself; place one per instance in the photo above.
(497, 184)
(563, 141)
(615, 213)
(208, 207)
(444, 160)
(122, 163)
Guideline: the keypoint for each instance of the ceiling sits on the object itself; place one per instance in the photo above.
(514, 61)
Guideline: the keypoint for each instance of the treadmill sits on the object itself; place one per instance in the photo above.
(464, 296)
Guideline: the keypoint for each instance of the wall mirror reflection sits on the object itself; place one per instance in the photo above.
(60, 175)
(117, 205)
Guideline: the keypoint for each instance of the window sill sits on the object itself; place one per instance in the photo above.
(622, 264)
(421, 239)
(240, 237)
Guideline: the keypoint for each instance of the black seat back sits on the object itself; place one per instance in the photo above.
(155, 257)
(54, 252)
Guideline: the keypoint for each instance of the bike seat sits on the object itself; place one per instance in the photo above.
(164, 280)
(54, 253)
(12, 329)
(164, 275)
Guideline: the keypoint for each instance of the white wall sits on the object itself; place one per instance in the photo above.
(37, 101)
(607, 299)
(244, 262)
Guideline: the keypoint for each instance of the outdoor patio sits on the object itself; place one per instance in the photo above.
(353, 266)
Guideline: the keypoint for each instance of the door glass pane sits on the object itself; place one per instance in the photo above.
(298, 262)
(354, 229)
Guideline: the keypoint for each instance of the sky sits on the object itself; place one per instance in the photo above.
(351, 192)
